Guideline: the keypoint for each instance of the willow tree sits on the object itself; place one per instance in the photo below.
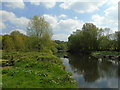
(40, 33)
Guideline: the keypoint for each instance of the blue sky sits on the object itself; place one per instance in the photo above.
(64, 17)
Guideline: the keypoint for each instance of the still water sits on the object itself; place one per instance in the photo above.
(91, 72)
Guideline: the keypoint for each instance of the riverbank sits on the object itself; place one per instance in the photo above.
(106, 54)
(35, 70)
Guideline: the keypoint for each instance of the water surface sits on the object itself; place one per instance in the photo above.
(91, 72)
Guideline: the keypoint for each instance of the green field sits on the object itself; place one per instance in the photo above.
(35, 70)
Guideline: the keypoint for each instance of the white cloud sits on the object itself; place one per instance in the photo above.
(13, 5)
(108, 19)
(76, 17)
(20, 3)
(47, 4)
(68, 25)
(2, 25)
(63, 27)
(81, 6)
(51, 19)
(88, 6)
(104, 21)
(33, 2)
(112, 12)
(62, 16)
(22, 21)
(11, 17)
(62, 37)
(112, 2)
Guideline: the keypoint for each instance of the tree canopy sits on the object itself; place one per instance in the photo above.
(40, 33)
(38, 37)
(93, 38)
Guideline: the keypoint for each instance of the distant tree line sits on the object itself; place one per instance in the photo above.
(92, 38)
(39, 35)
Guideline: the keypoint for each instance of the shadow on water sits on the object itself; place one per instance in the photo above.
(92, 72)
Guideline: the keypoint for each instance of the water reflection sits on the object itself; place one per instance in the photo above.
(92, 72)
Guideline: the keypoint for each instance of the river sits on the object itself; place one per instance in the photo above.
(91, 72)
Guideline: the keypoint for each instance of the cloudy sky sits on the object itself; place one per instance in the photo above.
(63, 16)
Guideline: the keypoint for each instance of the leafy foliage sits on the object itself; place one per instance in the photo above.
(92, 38)
(38, 38)
(40, 32)
(61, 45)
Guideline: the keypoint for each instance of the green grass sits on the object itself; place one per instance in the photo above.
(36, 70)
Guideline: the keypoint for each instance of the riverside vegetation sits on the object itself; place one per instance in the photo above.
(32, 56)
(36, 70)
(32, 60)
(96, 40)
(107, 54)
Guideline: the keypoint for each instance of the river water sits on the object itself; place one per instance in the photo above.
(91, 72)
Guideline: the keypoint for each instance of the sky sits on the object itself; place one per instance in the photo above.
(64, 16)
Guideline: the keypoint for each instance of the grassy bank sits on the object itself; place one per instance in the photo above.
(107, 54)
(35, 70)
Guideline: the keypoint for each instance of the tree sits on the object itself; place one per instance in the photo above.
(37, 27)
(90, 32)
(15, 33)
(61, 45)
(41, 33)
(118, 40)
(8, 43)
(19, 40)
(104, 43)
(85, 39)
(93, 38)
